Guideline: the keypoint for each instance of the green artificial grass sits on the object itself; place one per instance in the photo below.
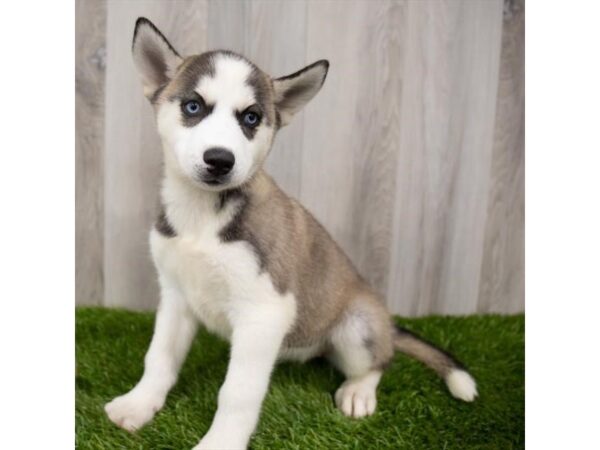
(414, 408)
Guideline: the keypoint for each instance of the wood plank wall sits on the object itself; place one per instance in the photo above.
(412, 155)
(90, 64)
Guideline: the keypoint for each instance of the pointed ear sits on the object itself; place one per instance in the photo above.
(154, 57)
(294, 91)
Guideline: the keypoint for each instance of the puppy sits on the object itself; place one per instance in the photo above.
(236, 254)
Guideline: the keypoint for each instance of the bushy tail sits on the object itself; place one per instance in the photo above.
(460, 383)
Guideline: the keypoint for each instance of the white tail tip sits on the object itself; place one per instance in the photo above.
(461, 385)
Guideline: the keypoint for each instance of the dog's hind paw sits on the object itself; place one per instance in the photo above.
(358, 397)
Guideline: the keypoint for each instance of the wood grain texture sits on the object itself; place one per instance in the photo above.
(227, 22)
(133, 151)
(276, 42)
(352, 128)
(411, 155)
(443, 166)
(503, 267)
(90, 59)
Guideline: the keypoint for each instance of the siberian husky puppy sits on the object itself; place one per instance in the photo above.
(237, 255)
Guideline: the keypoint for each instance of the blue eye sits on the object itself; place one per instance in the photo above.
(192, 108)
(251, 119)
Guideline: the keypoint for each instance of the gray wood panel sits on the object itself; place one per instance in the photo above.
(133, 153)
(411, 155)
(503, 268)
(227, 22)
(90, 58)
(351, 131)
(276, 42)
(444, 155)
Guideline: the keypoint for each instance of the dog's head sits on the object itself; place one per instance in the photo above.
(217, 113)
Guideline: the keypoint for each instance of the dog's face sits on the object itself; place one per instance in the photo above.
(217, 113)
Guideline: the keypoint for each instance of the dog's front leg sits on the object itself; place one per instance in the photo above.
(255, 343)
(173, 333)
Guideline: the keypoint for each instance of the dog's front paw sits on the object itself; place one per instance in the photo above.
(220, 442)
(133, 410)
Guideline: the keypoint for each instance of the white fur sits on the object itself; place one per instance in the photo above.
(228, 86)
(207, 280)
(461, 385)
(222, 285)
(228, 293)
(229, 93)
(357, 397)
(350, 355)
(259, 329)
(174, 330)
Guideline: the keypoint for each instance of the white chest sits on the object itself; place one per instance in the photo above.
(222, 282)
(209, 273)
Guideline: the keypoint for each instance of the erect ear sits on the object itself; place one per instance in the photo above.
(294, 91)
(154, 57)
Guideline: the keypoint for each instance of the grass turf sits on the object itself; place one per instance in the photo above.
(414, 408)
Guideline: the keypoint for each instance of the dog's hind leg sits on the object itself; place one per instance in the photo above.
(173, 333)
(361, 346)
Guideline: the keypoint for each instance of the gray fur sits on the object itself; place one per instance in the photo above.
(163, 226)
(432, 356)
(302, 258)
(290, 245)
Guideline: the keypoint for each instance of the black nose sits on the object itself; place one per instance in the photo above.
(219, 160)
